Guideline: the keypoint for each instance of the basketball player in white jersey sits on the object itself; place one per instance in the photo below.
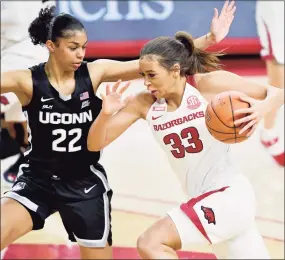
(270, 28)
(221, 204)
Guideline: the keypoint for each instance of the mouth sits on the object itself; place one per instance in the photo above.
(77, 65)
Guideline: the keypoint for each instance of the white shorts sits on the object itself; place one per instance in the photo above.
(223, 215)
(270, 28)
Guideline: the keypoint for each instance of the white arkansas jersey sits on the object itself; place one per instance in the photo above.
(200, 161)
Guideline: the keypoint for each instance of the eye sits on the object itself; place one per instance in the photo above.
(141, 73)
(73, 48)
(151, 75)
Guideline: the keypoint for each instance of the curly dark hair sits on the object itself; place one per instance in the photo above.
(49, 26)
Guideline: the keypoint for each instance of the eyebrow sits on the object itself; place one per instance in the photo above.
(76, 43)
(148, 71)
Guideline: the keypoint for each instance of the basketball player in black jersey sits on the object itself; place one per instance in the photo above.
(59, 173)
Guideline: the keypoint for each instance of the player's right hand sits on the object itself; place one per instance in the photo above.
(112, 100)
(220, 25)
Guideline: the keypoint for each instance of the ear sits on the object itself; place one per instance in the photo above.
(176, 70)
(50, 46)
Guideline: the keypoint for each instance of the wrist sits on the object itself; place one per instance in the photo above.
(274, 101)
(106, 113)
(210, 38)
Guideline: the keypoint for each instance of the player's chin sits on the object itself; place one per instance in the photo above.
(75, 66)
(156, 94)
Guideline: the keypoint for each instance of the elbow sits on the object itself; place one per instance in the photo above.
(93, 147)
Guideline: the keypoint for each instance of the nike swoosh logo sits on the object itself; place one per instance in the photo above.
(154, 118)
(87, 190)
(46, 99)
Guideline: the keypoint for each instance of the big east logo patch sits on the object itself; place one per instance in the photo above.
(209, 215)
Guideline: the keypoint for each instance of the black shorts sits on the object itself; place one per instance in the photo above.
(84, 205)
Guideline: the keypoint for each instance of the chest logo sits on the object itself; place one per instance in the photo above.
(156, 117)
(193, 102)
(46, 99)
(85, 103)
(84, 95)
(47, 106)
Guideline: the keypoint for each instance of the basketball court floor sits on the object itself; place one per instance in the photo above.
(145, 188)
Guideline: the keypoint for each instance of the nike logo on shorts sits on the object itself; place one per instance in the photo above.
(87, 190)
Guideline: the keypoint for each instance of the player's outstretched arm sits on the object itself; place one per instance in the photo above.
(220, 26)
(16, 88)
(19, 82)
(116, 116)
(261, 97)
(111, 70)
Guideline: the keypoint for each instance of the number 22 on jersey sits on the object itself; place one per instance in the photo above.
(175, 140)
(62, 133)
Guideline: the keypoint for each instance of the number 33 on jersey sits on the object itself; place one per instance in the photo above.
(182, 133)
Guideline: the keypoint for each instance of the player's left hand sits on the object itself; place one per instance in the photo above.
(220, 25)
(112, 100)
(256, 111)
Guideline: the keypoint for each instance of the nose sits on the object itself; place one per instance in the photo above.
(147, 83)
(80, 53)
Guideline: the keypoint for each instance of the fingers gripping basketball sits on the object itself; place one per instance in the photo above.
(220, 117)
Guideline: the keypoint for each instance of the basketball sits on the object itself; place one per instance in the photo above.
(220, 117)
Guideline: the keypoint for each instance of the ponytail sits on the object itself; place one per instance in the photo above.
(48, 26)
(199, 61)
(39, 29)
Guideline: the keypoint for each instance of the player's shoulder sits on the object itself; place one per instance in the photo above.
(145, 97)
(141, 103)
(22, 78)
(215, 75)
(208, 81)
(37, 67)
(96, 72)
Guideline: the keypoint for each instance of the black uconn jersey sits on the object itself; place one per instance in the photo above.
(59, 125)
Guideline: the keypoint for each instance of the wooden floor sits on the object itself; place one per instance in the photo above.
(145, 188)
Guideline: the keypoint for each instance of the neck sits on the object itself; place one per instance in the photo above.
(55, 72)
(174, 98)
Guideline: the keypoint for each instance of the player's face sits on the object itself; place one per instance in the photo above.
(159, 81)
(71, 51)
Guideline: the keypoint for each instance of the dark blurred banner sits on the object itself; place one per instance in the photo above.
(120, 28)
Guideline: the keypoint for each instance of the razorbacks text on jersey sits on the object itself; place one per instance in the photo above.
(200, 161)
(58, 126)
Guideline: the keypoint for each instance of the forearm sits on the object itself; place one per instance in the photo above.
(114, 70)
(98, 132)
(204, 42)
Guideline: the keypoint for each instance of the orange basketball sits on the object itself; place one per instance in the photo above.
(220, 117)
